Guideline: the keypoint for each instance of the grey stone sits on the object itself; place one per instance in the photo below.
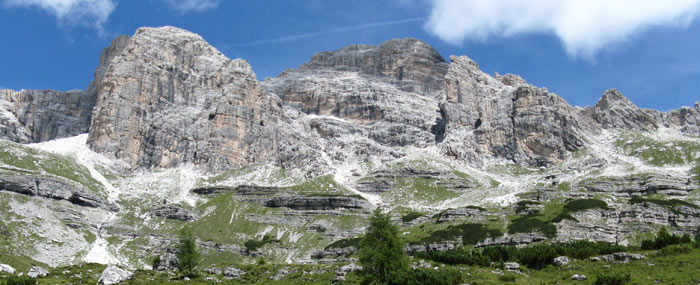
(516, 239)
(334, 252)
(437, 246)
(561, 261)
(578, 277)
(345, 269)
(318, 203)
(7, 269)
(618, 256)
(214, 271)
(511, 265)
(37, 272)
(113, 275)
(233, 272)
(174, 212)
(166, 262)
(54, 188)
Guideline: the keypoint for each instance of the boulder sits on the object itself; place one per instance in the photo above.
(233, 272)
(578, 277)
(113, 275)
(7, 269)
(166, 262)
(174, 212)
(511, 265)
(561, 261)
(37, 272)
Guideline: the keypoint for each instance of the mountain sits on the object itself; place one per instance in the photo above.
(171, 133)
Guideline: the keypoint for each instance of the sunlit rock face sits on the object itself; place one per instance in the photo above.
(171, 98)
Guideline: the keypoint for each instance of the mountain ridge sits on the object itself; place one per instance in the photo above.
(171, 134)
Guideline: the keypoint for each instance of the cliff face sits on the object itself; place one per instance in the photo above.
(165, 97)
(171, 98)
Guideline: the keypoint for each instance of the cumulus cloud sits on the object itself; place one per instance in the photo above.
(583, 26)
(184, 6)
(90, 13)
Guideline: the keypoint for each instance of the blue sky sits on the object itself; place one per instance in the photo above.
(647, 51)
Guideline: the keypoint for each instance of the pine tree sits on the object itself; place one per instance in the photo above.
(381, 251)
(187, 255)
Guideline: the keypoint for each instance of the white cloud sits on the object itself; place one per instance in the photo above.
(583, 26)
(90, 13)
(184, 6)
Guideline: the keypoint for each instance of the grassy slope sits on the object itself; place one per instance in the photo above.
(19, 159)
(678, 268)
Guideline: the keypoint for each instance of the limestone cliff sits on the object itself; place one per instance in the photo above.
(171, 98)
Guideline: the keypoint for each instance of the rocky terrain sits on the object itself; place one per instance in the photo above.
(172, 134)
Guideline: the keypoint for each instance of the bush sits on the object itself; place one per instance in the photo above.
(585, 204)
(18, 280)
(582, 249)
(427, 276)
(612, 279)
(564, 216)
(456, 256)
(471, 234)
(523, 206)
(506, 278)
(534, 256)
(529, 224)
(664, 238)
(500, 253)
(671, 205)
(537, 256)
(676, 249)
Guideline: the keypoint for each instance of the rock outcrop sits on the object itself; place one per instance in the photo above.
(37, 271)
(41, 115)
(114, 275)
(54, 188)
(174, 212)
(505, 117)
(171, 98)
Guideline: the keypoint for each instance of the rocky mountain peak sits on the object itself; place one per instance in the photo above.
(414, 63)
(171, 98)
(614, 110)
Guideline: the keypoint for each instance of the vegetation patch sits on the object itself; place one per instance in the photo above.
(671, 204)
(346, 242)
(663, 239)
(471, 233)
(253, 245)
(612, 279)
(411, 216)
(535, 256)
(512, 169)
(27, 160)
(530, 224)
(659, 153)
(424, 190)
(524, 205)
(585, 204)
(564, 186)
